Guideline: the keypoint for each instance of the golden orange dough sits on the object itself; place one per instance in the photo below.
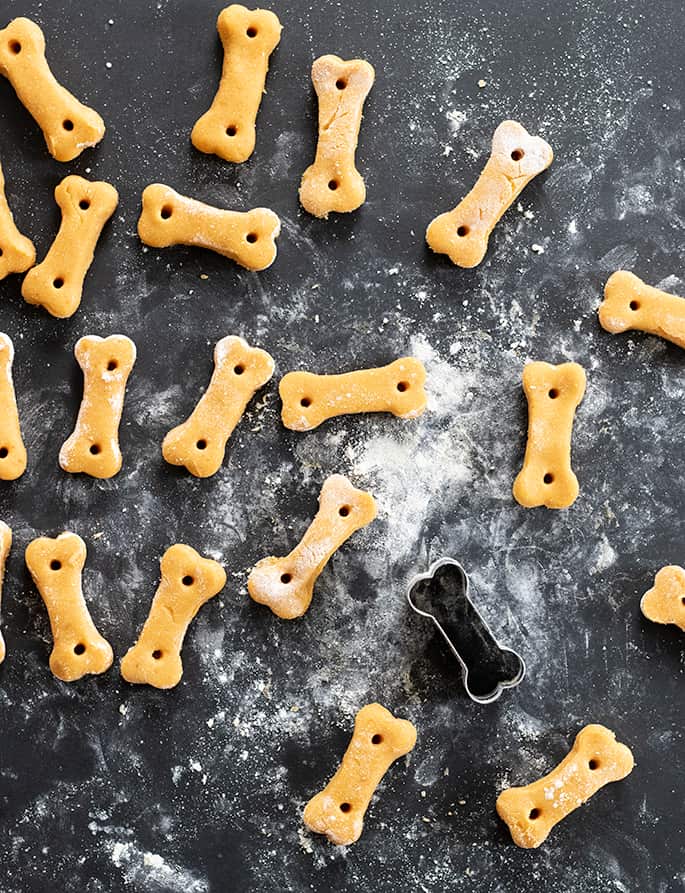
(249, 36)
(93, 448)
(17, 253)
(12, 450)
(379, 739)
(56, 565)
(200, 442)
(68, 126)
(286, 584)
(5, 546)
(188, 581)
(595, 759)
(516, 158)
(629, 303)
(247, 237)
(553, 393)
(309, 399)
(333, 183)
(57, 282)
(665, 602)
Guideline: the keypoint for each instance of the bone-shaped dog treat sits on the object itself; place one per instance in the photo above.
(12, 450)
(200, 442)
(286, 584)
(309, 399)
(629, 303)
(93, 447)
(228, 128)
(333, 183)
(57, 282)
(68, 126)
(5, 546)
(515, 159)
(553, 393)
(56, 565)
(665, 602)
(378, 740)
(188, 581)
(17, 253)
(595, 759)
(247, 237)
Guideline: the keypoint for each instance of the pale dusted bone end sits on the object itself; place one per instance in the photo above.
(17, 252)
(13, 458)
(5, 546)
(665, 601)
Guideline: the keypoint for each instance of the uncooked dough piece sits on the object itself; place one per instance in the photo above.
(665, 602)
(17, 253)
(12, 449)
(629, 303)
(5, 546)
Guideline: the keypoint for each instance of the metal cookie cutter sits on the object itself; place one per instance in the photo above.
(443, 596)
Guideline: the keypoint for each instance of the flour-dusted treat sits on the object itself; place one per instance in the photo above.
(188, 581)
(5, 546)
(12, 449)
(309, 399)
(249, 36)
(553, 393)
(333, 183)
(57, 282)
(247, 237)
(56, 565)
(665, 601)
(17, 253)
(286, 584)
(68, 126)
(629, 303)
(516, 158)
(595, 759)
(200, 442)
(93, 448)
(378, 740)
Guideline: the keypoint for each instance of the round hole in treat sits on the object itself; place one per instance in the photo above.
(341, 83)
(4, 452)
(402, 386)
(80, 648)
(593, 764)
(251, 31)
(95, 448)
(683, 599)
(462, 230)
(634, 305)
(377, 739)
(84, 204)
(15, 47)
(535, 813)
(305, 401)
(187, 580)
(231, 130)
(333, 185)
(68, 124)
(238, 369)
(166, 212)
(517, 154)
(344, 511)
(0, 252)
(553, 394)
(286, 578)
(548, 478)
(112, 365)
(55, 564)
(201, 444)
(345, 807)
(58, 282)
(157, 654)
(251, 238)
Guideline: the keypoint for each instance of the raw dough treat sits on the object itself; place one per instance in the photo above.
(378, 740)
(665, 602)
(17, 253)
(333, 183)
(5, 546)
(93, 448)
(553, 393)
(68, 126)
(247, 237)
(629, 303)
(515, 159)
(248, 37)
(12, 450)
(200, 442)
(286, 584)
(188, 581)
(531, 812)
(309, 399)
(56, 565)
(57, 282)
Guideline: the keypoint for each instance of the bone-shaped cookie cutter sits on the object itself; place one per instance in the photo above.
(378, 740)
(443, 596)
(665, 601)
(93, 447)
(249, 36)
(246, 237)
(56, 565)
(595, 759)
(5, 546)
(56, 283)
(553, 394)
(68, 126)
(12, 449)
(629, 303)
(188, 581)
(332, 182)
(516, 158)
(309, 399)
(286, 584)
(17, 253)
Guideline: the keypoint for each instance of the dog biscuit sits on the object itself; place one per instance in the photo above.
(249, 36)
(629, 303)
(247, 237)
(12, 449)
(93, 447)
(665, 602)
(56, 565)
(516, 157)
(378, 740)
(595, 759)
(68, 126)
(200, 442)
(333, 183)
(5, 546)
(309, 399)
(17, 253)
(553, 393)
(188, 581)
(57, 282)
